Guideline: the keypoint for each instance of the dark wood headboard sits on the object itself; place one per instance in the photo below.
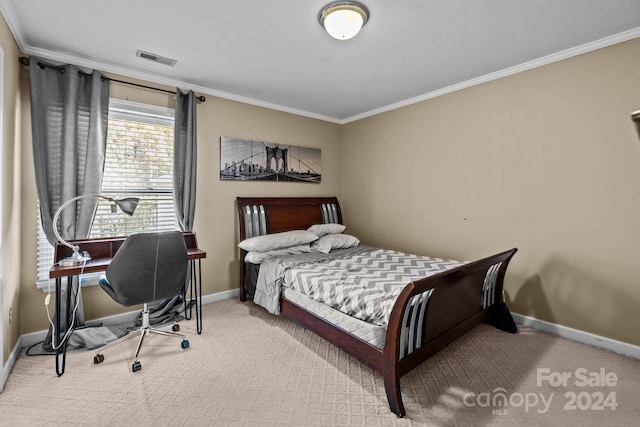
(265, 215)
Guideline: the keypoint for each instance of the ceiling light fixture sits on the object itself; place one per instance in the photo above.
(343, 19)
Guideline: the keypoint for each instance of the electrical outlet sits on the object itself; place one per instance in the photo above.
(10, 314)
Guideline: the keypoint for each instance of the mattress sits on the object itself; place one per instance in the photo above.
(362, 282)
(367, 332)
(354, 289)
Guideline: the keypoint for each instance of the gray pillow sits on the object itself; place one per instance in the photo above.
(335, 241)
(324, 229)
(271, 242)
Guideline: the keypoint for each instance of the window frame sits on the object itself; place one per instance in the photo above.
(118, 110)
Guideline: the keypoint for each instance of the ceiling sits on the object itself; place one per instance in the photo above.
(276, 54)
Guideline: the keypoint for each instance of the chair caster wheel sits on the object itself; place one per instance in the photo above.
(136, 366)
(185, 344)
(175, 327)
(98, 358)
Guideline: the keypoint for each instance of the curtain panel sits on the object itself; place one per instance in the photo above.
(185, 159)
(69, 113)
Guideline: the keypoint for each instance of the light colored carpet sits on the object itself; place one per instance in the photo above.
(249, 368)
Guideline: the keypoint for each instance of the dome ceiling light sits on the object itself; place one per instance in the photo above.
(343, 19)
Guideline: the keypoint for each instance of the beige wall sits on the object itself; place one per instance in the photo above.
(216, 217)
(11, 208)
(546, 160)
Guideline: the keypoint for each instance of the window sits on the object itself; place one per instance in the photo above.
(138, 163)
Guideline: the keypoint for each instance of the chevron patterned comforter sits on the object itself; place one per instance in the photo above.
(362, 282)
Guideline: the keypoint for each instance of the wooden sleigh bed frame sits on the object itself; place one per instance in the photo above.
(447, 304)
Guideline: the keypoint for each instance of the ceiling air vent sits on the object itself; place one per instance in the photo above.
(156, 58)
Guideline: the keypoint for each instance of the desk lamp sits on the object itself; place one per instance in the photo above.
(127, 205)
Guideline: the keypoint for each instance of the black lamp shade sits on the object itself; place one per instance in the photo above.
(128, 205)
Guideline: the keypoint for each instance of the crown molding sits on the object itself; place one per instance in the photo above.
(165, 81)
(12, 21)
(545, 60)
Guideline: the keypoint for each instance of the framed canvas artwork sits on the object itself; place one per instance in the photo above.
(246, 160)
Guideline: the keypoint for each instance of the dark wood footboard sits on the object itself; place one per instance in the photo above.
(433, 312)
(428, 315)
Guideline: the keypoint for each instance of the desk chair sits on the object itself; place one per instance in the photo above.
(148, 267)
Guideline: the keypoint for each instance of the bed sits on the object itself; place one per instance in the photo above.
(428, 313)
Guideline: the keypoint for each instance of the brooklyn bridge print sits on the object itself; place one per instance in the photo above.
(244, 160)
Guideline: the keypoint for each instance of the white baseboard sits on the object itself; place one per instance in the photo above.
(32, 338)
(219, 296)
(10, 362)
(578, 335)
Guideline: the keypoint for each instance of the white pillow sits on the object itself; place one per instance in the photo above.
(324, 229)
(271, 242)
(255, 257)
(335, 241)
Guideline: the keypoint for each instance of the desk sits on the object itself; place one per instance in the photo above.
(102, 251)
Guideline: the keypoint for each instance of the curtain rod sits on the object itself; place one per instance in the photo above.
(25, 61)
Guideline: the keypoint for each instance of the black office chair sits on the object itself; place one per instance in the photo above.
(148, 267)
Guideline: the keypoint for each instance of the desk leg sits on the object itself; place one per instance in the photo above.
(188, 293)
(61, 347)
(198, 293)
(193, 295)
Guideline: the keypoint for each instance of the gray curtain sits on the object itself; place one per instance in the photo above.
(69, 112)
(185, 159)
